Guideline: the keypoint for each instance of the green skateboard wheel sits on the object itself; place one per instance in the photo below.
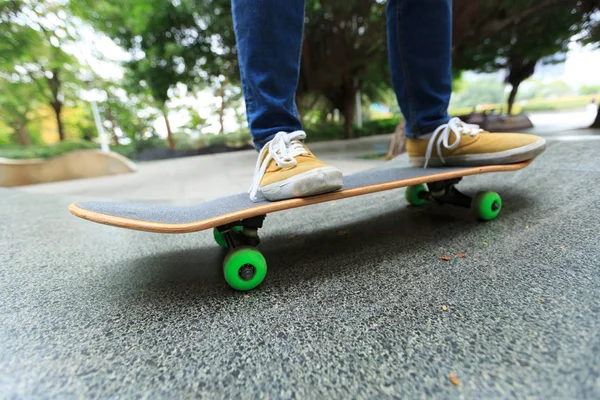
(220, 239)
(486, 205)
(244, 268)
(412, 195)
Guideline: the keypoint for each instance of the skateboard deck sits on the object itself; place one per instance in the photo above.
(236, 219)
(214, 213)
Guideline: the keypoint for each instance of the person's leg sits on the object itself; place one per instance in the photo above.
(420, 53)
(269, 41)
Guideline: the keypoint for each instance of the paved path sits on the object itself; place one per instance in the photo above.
(357, 303)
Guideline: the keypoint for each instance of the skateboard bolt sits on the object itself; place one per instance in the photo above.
(495, 206)
(247, 271)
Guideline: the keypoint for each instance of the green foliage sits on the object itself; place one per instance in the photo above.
(379, 126)
(187, 45)
(132, 149)
(344, 49)
(590, 89)
(335, 131)
(557, 104)
(25, 152)
(127, 115)
(537, 31)
(233, 139)
(539, 89)
(480, 91)
(18, 104)
(170, 41)
(532, 31)
(32, 60)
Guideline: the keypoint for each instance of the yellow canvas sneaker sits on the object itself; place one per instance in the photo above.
(286, 169)
(462, 144)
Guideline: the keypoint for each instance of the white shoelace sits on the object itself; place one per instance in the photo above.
(283, 148)
(441, 136)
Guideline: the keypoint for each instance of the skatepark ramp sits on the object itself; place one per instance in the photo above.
(73, 165)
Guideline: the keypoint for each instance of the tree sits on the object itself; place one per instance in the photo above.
(30, 42)
(171, 43)
(518, 70)
(591, 36)
(535, 32)
(127, 116)
(229, 97)
(344, 46)
(190, 41)
(17, 108)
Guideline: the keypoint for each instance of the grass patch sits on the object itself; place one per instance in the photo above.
(558, 104)
(533, 105)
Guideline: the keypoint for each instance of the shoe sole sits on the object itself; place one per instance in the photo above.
(511, 156)
(310, 183)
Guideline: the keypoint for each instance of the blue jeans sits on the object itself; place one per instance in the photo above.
(269, 40)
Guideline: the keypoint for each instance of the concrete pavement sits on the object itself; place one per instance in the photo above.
(357, 302)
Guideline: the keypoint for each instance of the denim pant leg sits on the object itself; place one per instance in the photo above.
(419, 50)
(269, 40)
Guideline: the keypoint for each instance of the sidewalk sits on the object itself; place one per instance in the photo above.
(358, 302)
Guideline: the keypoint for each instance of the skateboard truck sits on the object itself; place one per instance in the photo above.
(240, 233)
(485, 205)
(445, 192)
(245, 267)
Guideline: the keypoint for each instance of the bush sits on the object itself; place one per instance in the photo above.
(233, 139)
(321, 132)
(335, 130)
(378, 126)
(28, 152)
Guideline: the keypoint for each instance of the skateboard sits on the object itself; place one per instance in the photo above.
(235, 219)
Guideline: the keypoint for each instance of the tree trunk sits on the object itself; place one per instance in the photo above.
(518, 70)
(57, 107)
(596, 123)
(222, 108)
(54, 83)
(87, 135)
(348, 111)
(170, 139)
(113, 124)
(512, 96)
(22, 136)
(398, 143)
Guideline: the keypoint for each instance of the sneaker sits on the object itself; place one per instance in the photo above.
(287, 169)
(459, 143)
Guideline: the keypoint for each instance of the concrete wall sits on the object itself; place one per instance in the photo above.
(73, 165)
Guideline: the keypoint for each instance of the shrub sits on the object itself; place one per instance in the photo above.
(27, 152)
